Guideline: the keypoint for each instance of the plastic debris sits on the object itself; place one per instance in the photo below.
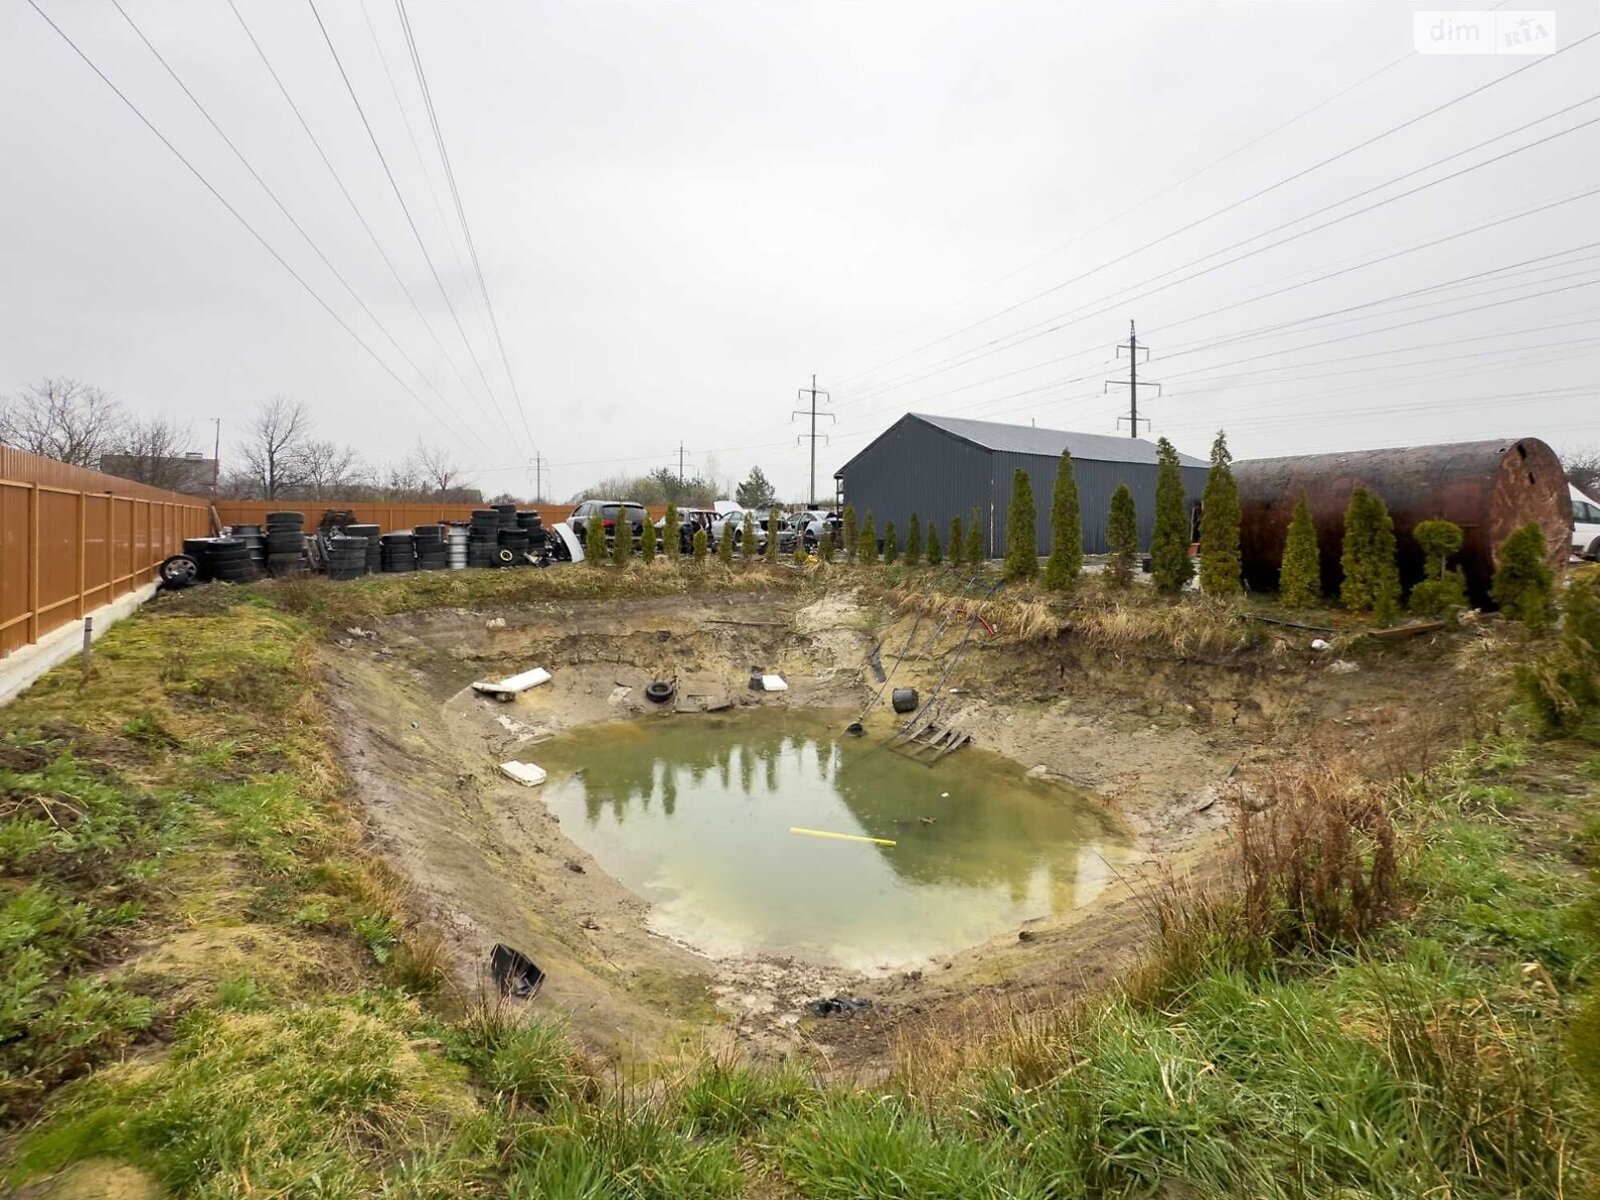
(768, 683)
(514, 972)
(512, 685)
(524, 773)
(843, 837)
(838, 1006)
(495, 623)
(1318, 645)
(1342, 666)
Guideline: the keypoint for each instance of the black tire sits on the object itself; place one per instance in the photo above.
(659, 691)
(283, 543)
(179, 571)
(286, 518)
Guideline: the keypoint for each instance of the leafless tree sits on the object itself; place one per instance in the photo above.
(330, 471)
(63, 419)
(274, 448)
(1583, 469)
(153, 450)
(437, 468)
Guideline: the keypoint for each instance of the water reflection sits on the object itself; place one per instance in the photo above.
(694, 813)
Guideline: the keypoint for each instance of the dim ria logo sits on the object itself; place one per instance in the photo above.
(1484, 32)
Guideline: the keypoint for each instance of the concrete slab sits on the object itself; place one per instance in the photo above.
(21, 667)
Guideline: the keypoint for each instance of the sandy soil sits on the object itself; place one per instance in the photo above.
(1153, 737)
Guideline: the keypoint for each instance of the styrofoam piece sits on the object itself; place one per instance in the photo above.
(774, 683)
(524, 773)
(514, 684)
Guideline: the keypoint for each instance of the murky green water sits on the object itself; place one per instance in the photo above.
(694, 813)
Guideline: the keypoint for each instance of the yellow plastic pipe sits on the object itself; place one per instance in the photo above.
(843, 837)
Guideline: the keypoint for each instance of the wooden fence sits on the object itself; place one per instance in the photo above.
(72, 540)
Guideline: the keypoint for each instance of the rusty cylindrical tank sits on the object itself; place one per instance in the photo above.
(1489, 489)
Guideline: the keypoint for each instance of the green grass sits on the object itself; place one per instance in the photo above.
(204, 977)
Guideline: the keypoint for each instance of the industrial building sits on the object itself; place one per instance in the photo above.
(943, 467)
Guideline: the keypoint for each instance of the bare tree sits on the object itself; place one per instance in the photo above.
(153, 450)
(330, 470)
(437, 468)
(275, 447)
(1583, 469)
(63, 419)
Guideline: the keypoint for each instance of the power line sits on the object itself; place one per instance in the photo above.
(1302, 173)
(273, 196)
(410, 221)
(461, 212)
(251, 229)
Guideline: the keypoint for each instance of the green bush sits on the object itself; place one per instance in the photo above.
(974, 554)
(935, 557)
(867, 543)
(1062, 568)
(914, 541)
(730, 534)
(1371, 577)
(1300, 573)
(772, 536)
(1219, 525)
(750, 538)
(1443, 590)
(647, 539)
(622, 539)
(825, 544)
(1524, 584)
(1563, 689)
(957, 544)
(699, 545)
(1022, 542)
(671, 531)
(1122, 532)
(891, 547)
(1170, 565)
(595, 552)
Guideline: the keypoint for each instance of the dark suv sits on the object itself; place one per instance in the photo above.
(606, 511)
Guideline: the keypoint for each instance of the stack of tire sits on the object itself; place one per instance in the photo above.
(513, 546)
(483, 538)
(254, 540)
(399, 552)
(456, 544)
(286, 543)
(347, 555)
(432, 553)
(224, 559)
(533, 525)
(374, 547)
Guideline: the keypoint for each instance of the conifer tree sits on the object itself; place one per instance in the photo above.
(825, 545)
(1170, 565)
(1022, 542)
(1061, 569)
(957, 545)
(891, 547)
(1524, 585)
(772, 536)
(672, 532)
(1300, 573)
(1220, 570)
(699, 545)
(1122, 532)
(914, 541)
(849, 530)
(800, 556)
(974, 554)
(647, 541)
(622, 539)
(750, 538)
(725, 543)
(1371, 576)
(594, 542)
(1443, 590)
(934, 556)
(867, 545)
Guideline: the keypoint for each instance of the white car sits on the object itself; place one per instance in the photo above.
(1585, 525)
(732, 523)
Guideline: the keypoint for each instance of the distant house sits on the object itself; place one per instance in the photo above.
(192, 472)
(943, 467)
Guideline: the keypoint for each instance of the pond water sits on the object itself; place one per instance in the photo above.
(697, 814)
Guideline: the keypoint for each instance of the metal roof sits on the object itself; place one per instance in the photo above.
(1027, 439)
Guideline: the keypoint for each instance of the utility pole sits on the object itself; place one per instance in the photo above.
(680, 465)
(1134, 349)
(538, 475)
(216, 458)
(813, 391)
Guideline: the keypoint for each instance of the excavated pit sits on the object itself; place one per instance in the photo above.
(1108, 767)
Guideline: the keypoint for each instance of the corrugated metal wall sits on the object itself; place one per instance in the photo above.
(915, 468)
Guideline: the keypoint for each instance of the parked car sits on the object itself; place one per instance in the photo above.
(819, 523)
(689, 521)
(1585, 525)
(606, 511)
(731, 524)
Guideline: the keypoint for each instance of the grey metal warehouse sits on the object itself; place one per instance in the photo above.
(943, 467)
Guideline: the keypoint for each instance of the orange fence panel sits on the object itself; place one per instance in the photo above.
(73, 539)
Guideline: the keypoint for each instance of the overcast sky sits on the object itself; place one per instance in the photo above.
(683, 210)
